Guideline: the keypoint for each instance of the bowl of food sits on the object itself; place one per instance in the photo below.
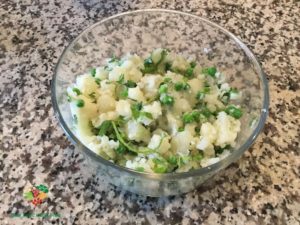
(159, 101)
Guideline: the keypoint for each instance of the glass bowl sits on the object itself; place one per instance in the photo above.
(140, 32)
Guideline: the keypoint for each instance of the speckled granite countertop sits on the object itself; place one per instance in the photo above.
(261, 188)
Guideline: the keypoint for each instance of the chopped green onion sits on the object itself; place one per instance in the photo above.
(146, 114)
(129, 146)
(190, 117)
(206, 112)
(172, 160)
(113, 59)
(166, 100)
(79, 103)
(200, 95)
(135, 110)
(104, 127)
(211, 71)
(193, 64)
(197, 157)
(234, 111)
(180, 129)
(219, 150)
(189, 72)
(124, 93)
(167, 80)
(160, 165)
(93, 96)
(140, 169)
(130, 84)
(168, 66)
(121, 79)
(163, 88)
(77, 91)
(150, 67)
(93, 72)
(121, 149)
(178, 86)
(97, 80)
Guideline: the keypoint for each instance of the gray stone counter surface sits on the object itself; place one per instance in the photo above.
(261, 188)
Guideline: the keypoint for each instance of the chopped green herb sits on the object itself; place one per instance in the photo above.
(146, 114)
(104, 127)
(206, 112)
(200, 95)
(123, 93)
(168, 66)
(93, 97)
(93, 72)
(189, 72)
(121, 79)
(77, 91)
(167, 80)
(166, 99)
(163, 88)
(121, 149)
(191, 117)
(172, 160)
(79, 103)
(180, 129)
(197, 130)
(97, 80)
(211, 71)
(193, 64)
(234, 111)
(160, 165)
(178, 86)
(140, 169)
(197, 157)
(219, 150)
(135, 110)
(149, 66)
(113, 59)
(130, 84)
(129, 146)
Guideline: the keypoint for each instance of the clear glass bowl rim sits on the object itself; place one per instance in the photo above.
(167, 176)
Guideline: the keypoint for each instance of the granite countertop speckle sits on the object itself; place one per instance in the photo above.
(261, 188)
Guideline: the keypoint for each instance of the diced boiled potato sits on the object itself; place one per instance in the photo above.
(83, 116)
(173, 123)
(136, 94)
(106, 103)
(196, 85)
(134, 75)
(107, 88)
(227, 128)
(137, 132)
(86, 84)
(156, 55)
(97, 121)
(180, 143)
(181, 105)
(101, 73)
(149, 85)
(154, 108)
(180, 63)
(123, 108)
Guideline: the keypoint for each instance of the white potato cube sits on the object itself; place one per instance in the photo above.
(123, 108)
(154, 108)
(136, 94)
(227, 128)
(180, 143)
(106, 103)
(137, 132)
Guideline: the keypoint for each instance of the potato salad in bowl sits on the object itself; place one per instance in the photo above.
(160, 114)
